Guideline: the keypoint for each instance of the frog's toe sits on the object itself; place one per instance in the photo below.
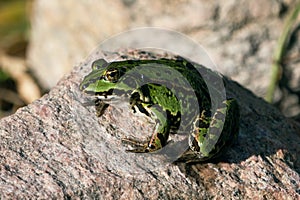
(138, 150)
(139, 147)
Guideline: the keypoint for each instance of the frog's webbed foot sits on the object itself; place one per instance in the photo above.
(155, 143)
(140, 147)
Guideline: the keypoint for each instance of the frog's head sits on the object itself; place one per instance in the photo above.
(105, 78)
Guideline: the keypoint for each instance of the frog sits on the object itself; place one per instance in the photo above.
(173, 93)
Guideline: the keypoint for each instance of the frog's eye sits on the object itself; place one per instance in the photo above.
(112, 75)
(99, 64)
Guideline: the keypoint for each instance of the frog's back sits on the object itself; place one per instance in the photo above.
(178, 74)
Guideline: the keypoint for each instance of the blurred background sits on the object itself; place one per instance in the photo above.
(253, 43)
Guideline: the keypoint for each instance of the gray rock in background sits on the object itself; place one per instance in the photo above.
(65, 32)
(239, 36)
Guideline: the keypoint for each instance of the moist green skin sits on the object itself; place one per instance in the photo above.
(172, 92)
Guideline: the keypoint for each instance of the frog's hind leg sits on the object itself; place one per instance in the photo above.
(213, 135)
(158, 138)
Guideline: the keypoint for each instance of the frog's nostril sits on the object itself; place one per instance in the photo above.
(83, 86)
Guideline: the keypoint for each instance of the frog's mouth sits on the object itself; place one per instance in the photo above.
(112, 95)
(104, 95)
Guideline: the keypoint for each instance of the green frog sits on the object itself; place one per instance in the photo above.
(173, 93)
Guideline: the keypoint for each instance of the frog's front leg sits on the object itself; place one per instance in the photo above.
(162, 128)
(100, 107)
